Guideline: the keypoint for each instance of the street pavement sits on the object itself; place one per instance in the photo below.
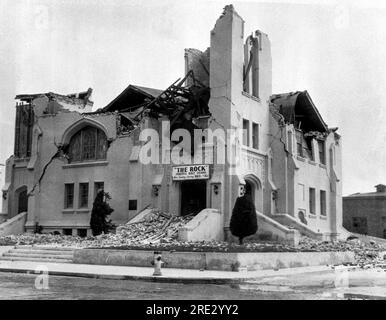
(323, 284)
(146, 273)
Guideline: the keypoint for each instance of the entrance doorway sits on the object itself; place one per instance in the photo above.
(193, 196)
(22, 200)
(248, 189)
(254, 189)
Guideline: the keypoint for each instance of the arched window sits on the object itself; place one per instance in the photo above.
(87, 144)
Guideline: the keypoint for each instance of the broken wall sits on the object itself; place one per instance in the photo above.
(198, 62)
(230, 104)
(294, 175)
(48, 164)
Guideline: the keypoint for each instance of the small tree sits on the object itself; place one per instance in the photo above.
(100, 210)
(243, 221)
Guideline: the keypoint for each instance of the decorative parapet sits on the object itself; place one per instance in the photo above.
(253, 161)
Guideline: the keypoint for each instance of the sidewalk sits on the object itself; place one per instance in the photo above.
(146, 274)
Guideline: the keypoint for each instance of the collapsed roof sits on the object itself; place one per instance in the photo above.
(298, 109)
(80, 97)
(130, 97)
(173, 102)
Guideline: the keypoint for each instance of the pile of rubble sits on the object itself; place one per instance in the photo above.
(42, 239)
(366, 254)
(159, 230)
(153, 228)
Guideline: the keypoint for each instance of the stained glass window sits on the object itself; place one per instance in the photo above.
(88, 144)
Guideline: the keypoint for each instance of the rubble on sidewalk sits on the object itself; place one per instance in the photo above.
(159, 230)
(366, 254)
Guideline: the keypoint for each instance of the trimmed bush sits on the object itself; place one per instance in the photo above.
(243, 221)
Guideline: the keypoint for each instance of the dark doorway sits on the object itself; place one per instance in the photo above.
(248, 189)
(22, 200)
(193, 196)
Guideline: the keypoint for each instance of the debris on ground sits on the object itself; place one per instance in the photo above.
(159, 231)
(153, 228)
(130, 238)
(366, 254)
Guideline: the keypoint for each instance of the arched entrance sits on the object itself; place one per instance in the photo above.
(253, 187)
(21, 199)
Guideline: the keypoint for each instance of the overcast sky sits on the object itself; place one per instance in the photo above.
(334, 50)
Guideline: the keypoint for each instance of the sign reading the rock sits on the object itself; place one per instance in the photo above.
(191, 172)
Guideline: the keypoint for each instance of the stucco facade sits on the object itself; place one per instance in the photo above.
(238, 74)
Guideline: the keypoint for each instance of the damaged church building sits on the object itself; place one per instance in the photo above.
(290, 160)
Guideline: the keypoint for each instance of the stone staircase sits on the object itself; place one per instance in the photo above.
(292, 223)
(39, 253)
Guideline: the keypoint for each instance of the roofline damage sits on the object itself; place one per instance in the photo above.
(83, 97)
(297, 108)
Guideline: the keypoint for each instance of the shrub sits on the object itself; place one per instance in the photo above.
(243, 221)
(100, 210)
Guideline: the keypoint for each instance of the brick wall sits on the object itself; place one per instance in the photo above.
(373, 209)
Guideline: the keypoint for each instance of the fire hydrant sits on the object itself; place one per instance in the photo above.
(157, 262)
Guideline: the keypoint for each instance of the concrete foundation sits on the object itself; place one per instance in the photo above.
(213, 260)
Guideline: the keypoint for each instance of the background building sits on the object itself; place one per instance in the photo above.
(365, 213)
(2, 181)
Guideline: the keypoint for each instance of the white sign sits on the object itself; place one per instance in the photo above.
(193, 172)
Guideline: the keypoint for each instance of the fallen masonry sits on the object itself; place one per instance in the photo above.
(366, 256)
(154, 227)
(158, 230)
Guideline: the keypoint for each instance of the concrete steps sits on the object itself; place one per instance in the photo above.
(291, 223)
(39, 253)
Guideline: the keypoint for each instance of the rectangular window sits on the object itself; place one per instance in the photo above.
(323, 202)
(299, 142)
(322, 155)
(359, 225)
(245, 132)
(98, 186)
(132, 204)
(255, 135)
(310, 149)
(68, 195)
(82, 233)
(67, 232)
(290, 142)
(83, 195)
(300, 149)
(312, 200)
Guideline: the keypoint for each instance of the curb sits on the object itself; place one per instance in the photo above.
(131, 277)
(150, 278)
